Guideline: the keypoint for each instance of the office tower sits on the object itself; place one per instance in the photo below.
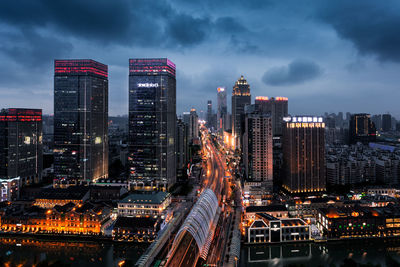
(222, 110)
(181, 144)
(361, 129)
(277, 107)
(258, 147)
(21, 144)
(193, 125)
(386, 122)
(240, 98)
(152, 123)
(304, 155)
(209, 118)
(186, 117)
(80, 119)
(377, 120)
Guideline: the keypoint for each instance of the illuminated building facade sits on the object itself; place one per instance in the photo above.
(80, 120)
(361, 129)
(152, 123)
(304, 155)
(277, 107)
(258, 147)
(356, 222)
(222, 110)
(21, 144)
(144, 204)
(240, 98)
(85, 219)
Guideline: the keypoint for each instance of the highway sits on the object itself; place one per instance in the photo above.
(214, 170)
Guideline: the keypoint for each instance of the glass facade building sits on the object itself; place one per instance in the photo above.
(152, 123)
(21, 144)
(80, 120)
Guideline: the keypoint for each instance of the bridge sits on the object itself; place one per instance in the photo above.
(195, 235)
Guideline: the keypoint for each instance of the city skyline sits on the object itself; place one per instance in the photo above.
(311, 53)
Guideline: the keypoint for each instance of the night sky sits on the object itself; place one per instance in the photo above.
(326, 56)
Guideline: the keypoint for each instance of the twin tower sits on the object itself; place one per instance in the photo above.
(81, 121)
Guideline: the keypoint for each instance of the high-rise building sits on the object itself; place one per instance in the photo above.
(193, 125)
(277, 107)
(240, 98)
(182, 144)
(258, 147)
(386, 122)
(80, 119)
(304, 155)
(21, 144)
(210, 117)
(222, 110)
(361, 129)
(152, 123)
(377, 120)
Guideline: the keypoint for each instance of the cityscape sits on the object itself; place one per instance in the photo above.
(194, 164)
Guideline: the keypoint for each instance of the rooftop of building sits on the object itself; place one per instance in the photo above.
(70, 193)
(135, 222)
(146, 197)
(292, 222)
(269, 208)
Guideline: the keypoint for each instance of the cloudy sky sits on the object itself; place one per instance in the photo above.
(324, 55)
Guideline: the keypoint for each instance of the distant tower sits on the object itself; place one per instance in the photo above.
(152, 123)
(277, 107)
(304, 155)
(240, 98)
(210, 121)
(361, 129)
(386, 122)
(80, 119)
(193, 125)
(222, 110)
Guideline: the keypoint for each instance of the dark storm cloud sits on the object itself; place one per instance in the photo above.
(186, 30)
(372, 26)
(297, 72)
(33, 49)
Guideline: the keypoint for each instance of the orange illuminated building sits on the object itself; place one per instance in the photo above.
(86, 219)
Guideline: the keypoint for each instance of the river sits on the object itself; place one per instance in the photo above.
(18, 251)
(333, 253)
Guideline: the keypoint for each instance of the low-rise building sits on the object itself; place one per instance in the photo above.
(268, 229)
(51, 197)
(136, 229)
(144, 204)
(359, 222)
(86, 219)
(277, 211)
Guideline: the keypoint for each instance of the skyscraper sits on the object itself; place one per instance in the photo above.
(386, 122)
(361, 129)
(222, 110)
(210, 117)
(277, 107)
(258, 146)
(193, 125)
(80, 119)
(304, 155)
(21, 144)
(240, 98)
(152, 123)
